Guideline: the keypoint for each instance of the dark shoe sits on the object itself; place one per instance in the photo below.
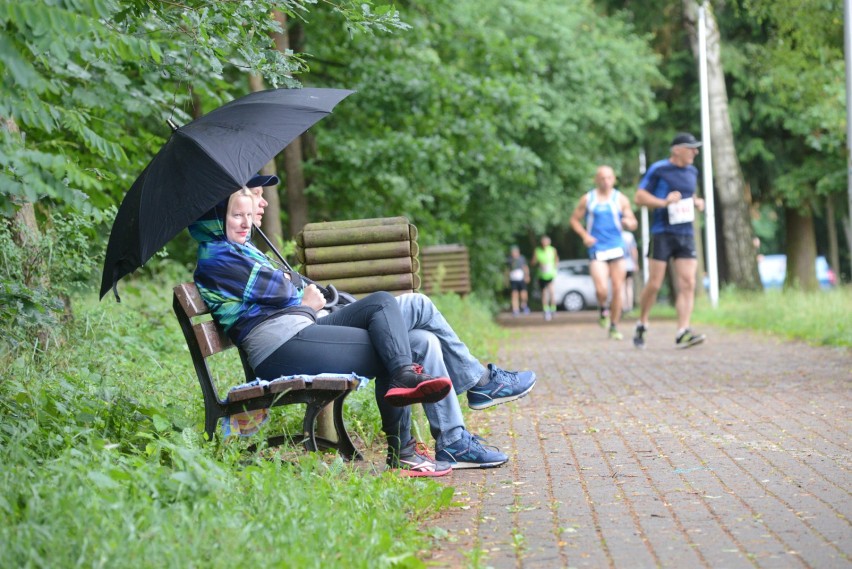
(504, 386)
(410, 385)
(414, 461)
(469, 452)
(688, 339)
(639, 336)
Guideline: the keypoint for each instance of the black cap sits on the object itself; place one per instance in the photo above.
(685, 139)
(260, 181)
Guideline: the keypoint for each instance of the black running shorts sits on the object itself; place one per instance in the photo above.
(665, 246)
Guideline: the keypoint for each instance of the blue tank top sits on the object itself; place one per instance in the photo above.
(603, 222)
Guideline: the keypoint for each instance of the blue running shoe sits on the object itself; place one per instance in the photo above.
(469, 452)
(503, 387)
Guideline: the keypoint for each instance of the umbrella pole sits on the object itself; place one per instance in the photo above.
(329, 292)
(271, 246)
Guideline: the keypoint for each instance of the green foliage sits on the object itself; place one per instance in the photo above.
(89, 83)
(478, 125)
(105, 462)
(788, 70)
(37, 274)
(815, 317)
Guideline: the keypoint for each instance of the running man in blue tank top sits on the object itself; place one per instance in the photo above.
(605, 211)
(668, 188)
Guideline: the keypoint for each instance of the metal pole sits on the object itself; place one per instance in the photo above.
(646, 229)
(709, 208)
(847, 48)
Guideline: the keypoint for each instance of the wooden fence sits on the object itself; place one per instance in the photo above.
(445, 268)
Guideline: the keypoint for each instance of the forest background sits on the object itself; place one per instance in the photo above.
(483, 126)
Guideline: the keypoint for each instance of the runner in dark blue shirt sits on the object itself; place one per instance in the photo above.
(668, 188)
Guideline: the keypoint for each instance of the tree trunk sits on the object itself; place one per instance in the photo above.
(271, 223)
(801, 250)
(297, 201)
(737, 232)
(847, 231)
(26, 234)
(833, 244)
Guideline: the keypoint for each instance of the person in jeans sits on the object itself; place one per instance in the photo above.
(439, 350)
(275, 324)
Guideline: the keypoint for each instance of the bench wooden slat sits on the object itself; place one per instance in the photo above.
(210, 338)
(332, 383)
(281, 385)
(190, 299)
(247, 392)
(350, 223)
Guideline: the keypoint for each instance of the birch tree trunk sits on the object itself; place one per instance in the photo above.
(737, 232)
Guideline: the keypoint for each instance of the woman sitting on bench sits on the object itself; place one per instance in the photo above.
(275, 324)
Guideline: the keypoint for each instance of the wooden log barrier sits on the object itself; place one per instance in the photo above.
(361, 256)
(445, 268)
(368, 267)
(356, 252)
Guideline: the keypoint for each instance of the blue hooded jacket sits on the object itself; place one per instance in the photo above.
(238, 282)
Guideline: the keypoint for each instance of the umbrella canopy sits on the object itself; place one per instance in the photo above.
(201, 164)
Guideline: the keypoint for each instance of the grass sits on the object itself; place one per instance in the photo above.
(103, 461)
(821, 317)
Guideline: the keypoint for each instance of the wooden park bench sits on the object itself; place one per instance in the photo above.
(206, 338)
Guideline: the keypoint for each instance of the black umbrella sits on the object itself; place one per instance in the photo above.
(201, 164)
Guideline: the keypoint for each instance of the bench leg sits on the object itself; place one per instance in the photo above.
(344, 443)
(309, 426)
(210, 422)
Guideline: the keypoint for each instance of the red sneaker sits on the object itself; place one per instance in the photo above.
(410, 385)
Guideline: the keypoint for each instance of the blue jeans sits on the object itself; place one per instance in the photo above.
(436, 347)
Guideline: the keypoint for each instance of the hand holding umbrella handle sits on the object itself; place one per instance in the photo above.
(331, 296)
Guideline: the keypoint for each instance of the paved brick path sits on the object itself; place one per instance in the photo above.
(732, 454)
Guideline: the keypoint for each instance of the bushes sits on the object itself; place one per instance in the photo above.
(37, 274)
(104, 461)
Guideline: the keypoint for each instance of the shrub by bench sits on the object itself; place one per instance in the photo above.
(205, 338)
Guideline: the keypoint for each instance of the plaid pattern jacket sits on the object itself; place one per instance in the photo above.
(239, 283)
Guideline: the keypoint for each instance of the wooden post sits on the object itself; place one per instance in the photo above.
(359, 256)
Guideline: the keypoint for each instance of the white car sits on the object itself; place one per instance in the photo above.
(573, 287)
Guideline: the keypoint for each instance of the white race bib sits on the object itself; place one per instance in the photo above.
(682, 211)
(516, 275)
(609, 254)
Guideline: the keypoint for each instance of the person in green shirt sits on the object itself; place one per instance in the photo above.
(546, 259)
